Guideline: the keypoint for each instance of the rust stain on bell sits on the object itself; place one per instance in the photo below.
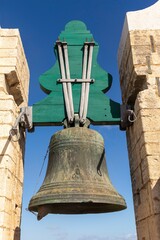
(76, 180)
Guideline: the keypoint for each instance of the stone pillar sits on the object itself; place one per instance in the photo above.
(139, 69)
(14, 81)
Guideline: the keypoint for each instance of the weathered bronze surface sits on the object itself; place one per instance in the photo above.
(77, 180)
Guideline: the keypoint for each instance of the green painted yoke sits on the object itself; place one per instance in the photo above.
(101, 109)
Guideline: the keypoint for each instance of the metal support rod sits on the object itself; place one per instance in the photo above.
(69, 87)
(83, 84)
(87, 84)
(64, 84)
(76, 80)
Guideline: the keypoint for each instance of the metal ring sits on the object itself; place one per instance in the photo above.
(133, 115)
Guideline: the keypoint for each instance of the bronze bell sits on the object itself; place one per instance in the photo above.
(77, 180)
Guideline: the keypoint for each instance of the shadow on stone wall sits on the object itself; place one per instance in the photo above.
(5, 148)
(12, 139)
(17, 233)
(156, 204)
(156, 197)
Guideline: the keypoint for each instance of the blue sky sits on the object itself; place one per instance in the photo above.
(40, 23)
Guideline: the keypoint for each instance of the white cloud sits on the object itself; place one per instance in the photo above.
(96, 237)
(57, 233)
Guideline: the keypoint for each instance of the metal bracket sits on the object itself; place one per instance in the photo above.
(75, 80)
(76, 122)
(24, 120)
(128, 117)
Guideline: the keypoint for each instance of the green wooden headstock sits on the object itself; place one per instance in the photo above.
(101, 109)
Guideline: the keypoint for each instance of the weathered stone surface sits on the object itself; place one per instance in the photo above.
(14, 81)
(5, 204)
(137, 181)
(14, 65)
(3, 85)
(139, 69)
(143, 230)
(142, 210)
(153, 226)
(6, 233)
(155, 197)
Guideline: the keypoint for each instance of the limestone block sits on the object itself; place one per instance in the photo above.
(150, 168)
(5, 52)
(19, 170)
(7, 117)
(7, 103)
(155, 58)
(135, 159)
(5, 219)
(8, 180)
(6, 69)
(8, 61)
(17, 216)
(158, 50)
(9, 42)
(14, 65)
(143, 230)
(137, 182)
(18, 196)
(3, 85)
(6, 233)
(149, 149)
(139, 38)
(5, 204)
(144, 38)
(4, 131)
(9, 149)
(14, 217)
(7, 162)
(125, 52)
(140, 50)
(142, 210)
(142, 60)
(135, 143)
(148, 99)
(155, 196)
(150, 118)
(153, 226)
(152, 136)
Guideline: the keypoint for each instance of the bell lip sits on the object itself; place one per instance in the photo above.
(76, 198)
(117, 202)
(80, 208)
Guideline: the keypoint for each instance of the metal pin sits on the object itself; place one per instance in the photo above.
(153, 49)
(148, 61)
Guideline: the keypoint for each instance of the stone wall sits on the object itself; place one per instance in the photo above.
(14, 81)
(139, 69)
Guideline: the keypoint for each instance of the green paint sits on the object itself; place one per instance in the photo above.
(51, 110)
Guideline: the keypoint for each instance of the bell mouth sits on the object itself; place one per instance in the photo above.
(77, 208)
